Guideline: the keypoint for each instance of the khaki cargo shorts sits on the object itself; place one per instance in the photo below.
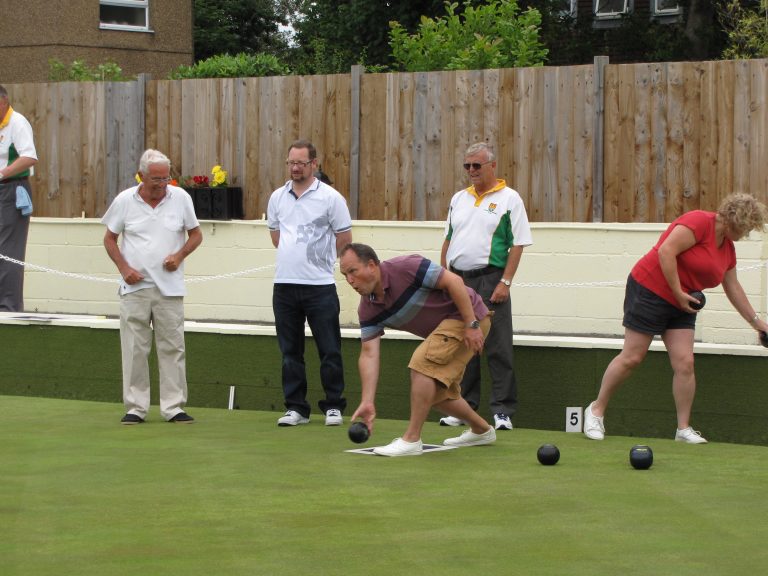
(444, 357)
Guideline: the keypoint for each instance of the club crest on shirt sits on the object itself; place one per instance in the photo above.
(491, 208)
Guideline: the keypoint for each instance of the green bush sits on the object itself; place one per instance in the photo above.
(227, 66)
(79, 71)
(494, 35)
(747, 29)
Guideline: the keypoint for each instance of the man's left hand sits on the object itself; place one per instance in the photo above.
(172, 262)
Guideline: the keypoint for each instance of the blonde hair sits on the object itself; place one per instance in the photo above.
(742, 213)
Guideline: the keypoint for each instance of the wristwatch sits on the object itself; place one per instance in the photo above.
(506, 282)
(474, 324)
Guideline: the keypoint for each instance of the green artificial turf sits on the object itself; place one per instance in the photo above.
(234, 494)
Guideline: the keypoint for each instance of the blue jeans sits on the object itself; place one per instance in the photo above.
(319, 306)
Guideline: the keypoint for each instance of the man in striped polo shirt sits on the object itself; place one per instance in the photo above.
(416, 295)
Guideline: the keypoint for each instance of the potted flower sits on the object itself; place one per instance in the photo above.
(214, 199)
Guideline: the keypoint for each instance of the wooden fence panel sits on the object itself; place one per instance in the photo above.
(676, 136)
(94, 199)
(692, 129)
(580, 155)
(758, 111)
(378, 204)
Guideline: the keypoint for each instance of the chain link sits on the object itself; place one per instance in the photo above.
(199, 279)
(190, 280)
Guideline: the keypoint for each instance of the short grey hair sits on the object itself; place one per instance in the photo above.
(151, 156)
(479, 147)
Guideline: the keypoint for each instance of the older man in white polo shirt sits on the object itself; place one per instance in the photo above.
(159, 230)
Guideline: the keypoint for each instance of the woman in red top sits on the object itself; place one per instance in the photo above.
(696, 252)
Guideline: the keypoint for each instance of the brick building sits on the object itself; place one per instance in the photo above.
(141, 36)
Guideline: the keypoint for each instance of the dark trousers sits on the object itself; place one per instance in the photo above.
(13, 243)
(293, 304)
(498, 350)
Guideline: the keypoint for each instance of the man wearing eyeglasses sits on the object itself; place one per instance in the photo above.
(159, 229)
(485, 234)
(309, 223)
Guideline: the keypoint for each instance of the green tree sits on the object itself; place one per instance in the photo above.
(747, 28)
(494, 35)
(234, 26)
(332, 35)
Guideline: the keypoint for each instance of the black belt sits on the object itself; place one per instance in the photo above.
(15, 179)
(476, 272)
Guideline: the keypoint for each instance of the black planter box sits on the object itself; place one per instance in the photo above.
(223, 203)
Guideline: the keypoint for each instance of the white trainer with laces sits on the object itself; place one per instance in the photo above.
(593, 425)
(292, 418)
(502, 422)
(451, 421)
(399, 447)
(469, 438)
(690, 436)
(333, 417)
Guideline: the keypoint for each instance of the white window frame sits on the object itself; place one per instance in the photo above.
(665, 11)
(572, 8)
(610, 15)
(136, 4)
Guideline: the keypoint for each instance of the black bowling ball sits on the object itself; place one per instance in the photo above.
(548, 454)
(641, 457)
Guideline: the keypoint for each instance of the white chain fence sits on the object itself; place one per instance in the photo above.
(199, 279)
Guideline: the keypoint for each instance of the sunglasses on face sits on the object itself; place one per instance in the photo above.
(475, 165)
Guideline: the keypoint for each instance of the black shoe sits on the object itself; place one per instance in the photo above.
(182, 418)
(132, 419)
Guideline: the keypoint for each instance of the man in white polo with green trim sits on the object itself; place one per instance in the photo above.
(17, 156)
(485, 234)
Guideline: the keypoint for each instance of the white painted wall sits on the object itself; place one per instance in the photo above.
(562, 253)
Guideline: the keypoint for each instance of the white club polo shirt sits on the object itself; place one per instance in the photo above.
(306, 253)
(17, 134)
(149, 235)
(481, 230)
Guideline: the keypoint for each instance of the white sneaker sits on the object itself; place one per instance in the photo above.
(690, 436)
(469, 438)
(593, 425)
(333, 417)
(399, 447)
(292, 418)
(451, 421)
(502, 421)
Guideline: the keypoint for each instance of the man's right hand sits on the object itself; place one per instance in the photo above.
(132, 276)
(367, 413)
(474, 339)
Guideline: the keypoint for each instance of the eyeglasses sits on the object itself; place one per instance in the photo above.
(298, 163)
(475, 165)
(160, 180)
